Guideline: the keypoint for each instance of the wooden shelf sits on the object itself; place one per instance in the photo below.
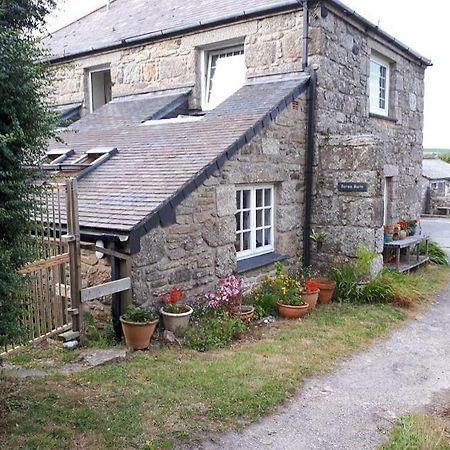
(405, 266)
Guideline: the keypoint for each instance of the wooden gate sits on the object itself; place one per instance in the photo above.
(55, 240)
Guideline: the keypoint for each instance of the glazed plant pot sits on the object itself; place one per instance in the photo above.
(138, 334)
(245, 313)
(177, 323)
(292, 312)
(403, 234)
(327, 288)
(311, 298)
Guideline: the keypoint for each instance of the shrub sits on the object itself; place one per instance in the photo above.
(212, 328)
(349, 290)
(139, 314)
(436, 253)
(264, 298)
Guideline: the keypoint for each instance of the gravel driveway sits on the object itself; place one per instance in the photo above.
(353, 407)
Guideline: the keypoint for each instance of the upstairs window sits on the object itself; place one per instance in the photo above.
(254, 221)
(99, 88)
(379, 86)
(225, 74)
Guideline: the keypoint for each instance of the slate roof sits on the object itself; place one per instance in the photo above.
(129, 22)
(435, 169)
(158, 165)
(134, 109)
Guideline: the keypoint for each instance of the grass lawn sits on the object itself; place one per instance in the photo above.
(175, 395)
(418, 432)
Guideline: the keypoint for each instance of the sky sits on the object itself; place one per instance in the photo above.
(421, 25)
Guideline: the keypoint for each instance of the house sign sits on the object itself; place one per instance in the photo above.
(352, 186)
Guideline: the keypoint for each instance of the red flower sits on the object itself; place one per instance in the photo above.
(311, 286)
(173, 296)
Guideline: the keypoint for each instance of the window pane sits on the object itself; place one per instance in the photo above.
(259, 198)
(226, 75)
(267, 217)
(246, 241)
(238, 221)
(259, 238)
(237, 242)
(259, 218)
(246, 199)
(238, 199)
(246, 220)
(267, 197)
(267, 236)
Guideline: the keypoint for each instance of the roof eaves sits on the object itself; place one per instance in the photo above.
(166, 212)
(191, 27)
(376, 29)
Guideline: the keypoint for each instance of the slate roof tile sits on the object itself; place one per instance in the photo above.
(155, 163)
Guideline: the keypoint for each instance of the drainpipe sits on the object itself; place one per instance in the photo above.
(309, 169)
(305, 39)
(311, 130)
(116, 304)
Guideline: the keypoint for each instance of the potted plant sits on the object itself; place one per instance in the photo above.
(326, 290)
(311, 293)
(138, 326)
(175, 316)
(412, 224)
(318, 238)
(228, 296)
(403, 224)
(290, 303)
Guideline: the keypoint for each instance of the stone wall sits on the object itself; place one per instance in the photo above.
(272, 45)
(353, 146)
(199, 249)
(96, 271)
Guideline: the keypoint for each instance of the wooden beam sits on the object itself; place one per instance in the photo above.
(101, 290)
(45, 263)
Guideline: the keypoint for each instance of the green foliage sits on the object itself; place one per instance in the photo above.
(139, 314)
(212, 328)
(445, 157)
(364, 261)
(436, 253)
(418, 431)
(26, 124)
(263, 299)
(350, 290)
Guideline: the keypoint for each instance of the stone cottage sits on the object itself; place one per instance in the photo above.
(219, 135)
(435, 185)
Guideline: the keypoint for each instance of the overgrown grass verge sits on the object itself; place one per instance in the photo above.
(418, 432)
(171, 395)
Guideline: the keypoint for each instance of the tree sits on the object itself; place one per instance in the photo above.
(26, 124)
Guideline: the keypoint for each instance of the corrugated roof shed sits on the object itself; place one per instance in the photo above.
(158, 165)
(435, 169)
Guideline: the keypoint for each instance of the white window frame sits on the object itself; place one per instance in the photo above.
(374, 97)
(256, 251)
(206, 70)
(91, 93)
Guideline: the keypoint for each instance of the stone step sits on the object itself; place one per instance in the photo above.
(69, 336)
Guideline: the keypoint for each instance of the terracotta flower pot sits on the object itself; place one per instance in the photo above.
(245, 313)
(311, 298)
(292, 312)
(138, 334)
(177, 323)
(327, 288)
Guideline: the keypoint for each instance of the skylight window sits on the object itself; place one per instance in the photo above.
(225, 74)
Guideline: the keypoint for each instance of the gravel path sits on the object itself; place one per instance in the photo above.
(353, 407)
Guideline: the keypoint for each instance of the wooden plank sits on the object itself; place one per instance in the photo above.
(101, 290)
(45, 263)
(62, 290)
(69, 336)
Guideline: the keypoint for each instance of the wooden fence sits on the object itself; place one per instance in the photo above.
(54, 240)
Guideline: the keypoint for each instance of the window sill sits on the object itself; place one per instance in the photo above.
(380, 116)
(245, 265)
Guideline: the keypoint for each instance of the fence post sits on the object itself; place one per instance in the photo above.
(73, 240)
